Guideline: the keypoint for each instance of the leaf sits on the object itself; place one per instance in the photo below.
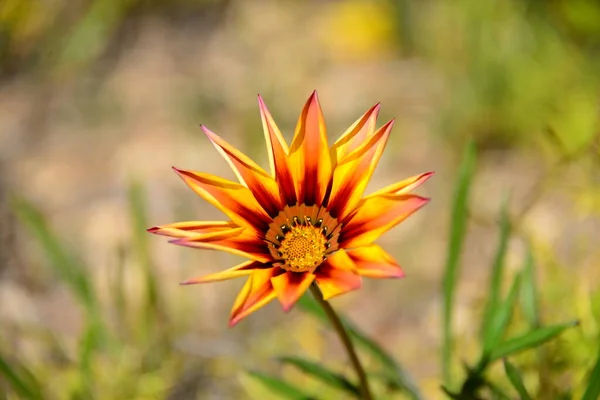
(457, 235)
(592, 392)
(499, 321)
(21, 380)
(529, 340)
(394, 373)
(497, 269)
(514, 376)
(318, 371)
(529, 296)
(280, 387)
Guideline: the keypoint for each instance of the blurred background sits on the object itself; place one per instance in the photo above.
(99, 98)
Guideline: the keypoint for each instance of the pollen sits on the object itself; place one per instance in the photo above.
(303, 248)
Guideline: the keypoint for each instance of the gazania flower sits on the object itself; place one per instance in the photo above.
(307, 220)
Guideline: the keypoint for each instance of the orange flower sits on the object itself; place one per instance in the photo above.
(306, 221)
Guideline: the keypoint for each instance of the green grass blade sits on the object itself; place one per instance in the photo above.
(592, 392)
(394, 373)
(316, 370)
(529, 340)
(529, 296)
(64, 264)
(22, 381)
(500, 320)
(514, 376)
(458, 229)
(280, 387)
(497, 269)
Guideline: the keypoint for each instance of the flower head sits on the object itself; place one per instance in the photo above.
(307, 220)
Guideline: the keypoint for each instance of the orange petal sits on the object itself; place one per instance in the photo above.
(278, 155)
(238, 241)
(376, 215)
(263, 187)
(358, 132)
(243, 269)
(191, 228)
(336, 275)
(354, 171)
(257, 292)
(309, 155)
(289, 286)
(404, 186)
(235, 200)
(374, 262)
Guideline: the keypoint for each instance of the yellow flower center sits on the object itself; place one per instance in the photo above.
(303, 248)
(301, 237)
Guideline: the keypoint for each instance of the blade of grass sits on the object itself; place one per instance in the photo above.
(529, 296)
(514, 376)
(331, 378)
(497, 269)
(21, 380)
(529, 340)
(592, 392)
(458, 229)
(280, 387)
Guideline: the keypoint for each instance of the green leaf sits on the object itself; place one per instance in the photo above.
(63, 262)
(21, 380)
(592, 392)
(529, 296)
(499, 321)
(280, 387)
(497, 269)
(458, 229)
(514, 376)
(318, 371)
(529, 340)
(394, 373)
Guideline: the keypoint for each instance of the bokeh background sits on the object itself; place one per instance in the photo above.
(99, 98)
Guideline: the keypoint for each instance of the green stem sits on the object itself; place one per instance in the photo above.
(343, 334)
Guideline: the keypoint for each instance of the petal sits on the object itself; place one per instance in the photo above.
(374, 262)
(404, 186)
(257, 292)
(191, 228)
(336, 275)
(263, 187)
(376, 215)
(238, 241)
(358, 132)
(309, 155)
(289, 286)
(243, 269)
(278, 155)
(233, 199)
(354, 171)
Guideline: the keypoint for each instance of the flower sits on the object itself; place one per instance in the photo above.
(304, 222)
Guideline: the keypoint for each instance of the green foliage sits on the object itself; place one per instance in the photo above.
(592, 391)
(515, 378)
(280, 387)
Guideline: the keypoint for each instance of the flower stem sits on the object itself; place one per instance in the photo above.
(343, 334)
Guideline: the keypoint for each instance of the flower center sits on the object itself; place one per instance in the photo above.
(301, 237)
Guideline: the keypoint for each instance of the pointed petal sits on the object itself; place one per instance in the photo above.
(237, 241)
(309, 155)
(243, 269)
(374, 262)
(358, 132)
(404, 186)
(257, 292)
(263, 187)
(354, 171)
(277, 150)
(289, 286)
(233, 199)
(376, 215)
(191, 228)
(336, 275)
